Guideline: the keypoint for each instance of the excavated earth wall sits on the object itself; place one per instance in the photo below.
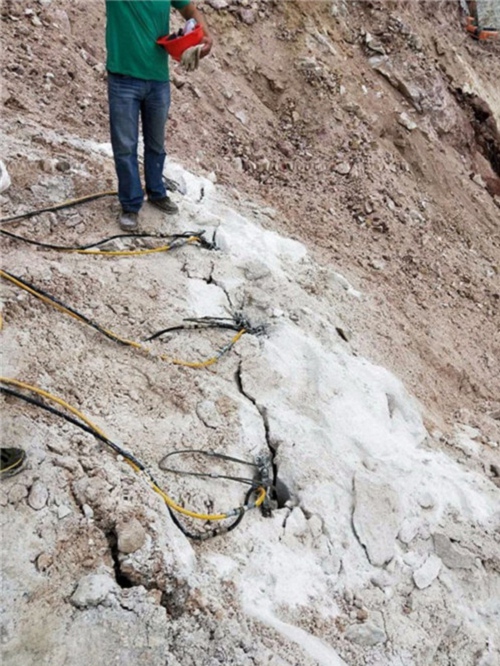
(346, 155)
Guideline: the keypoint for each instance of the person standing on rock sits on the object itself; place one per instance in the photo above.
(139, 86)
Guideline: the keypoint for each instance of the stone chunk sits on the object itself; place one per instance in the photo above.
(256, 270)
(376, 518)
(428, 572)
(63, 511)
(478, 179)
(218, 4)
(92, 590)
(43, 561)
(366, 634)
(17, 493)
(409, 530)
(343, 168)
(286, 149)
(247, 15)
(452, 555)
(426, 500)
(241, 116)
(206, 411)
(385, 67)
(61, 18)
(38, 496)
(405, 120)
(374, 45)
(131, 536)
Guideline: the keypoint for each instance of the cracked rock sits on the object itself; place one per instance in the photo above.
(92, 590)
(376, 518)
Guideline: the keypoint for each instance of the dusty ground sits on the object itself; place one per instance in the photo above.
(299, 108)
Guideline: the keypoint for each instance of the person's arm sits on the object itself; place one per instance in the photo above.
(192, 12)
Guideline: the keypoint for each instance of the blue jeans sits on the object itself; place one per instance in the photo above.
(130, 98)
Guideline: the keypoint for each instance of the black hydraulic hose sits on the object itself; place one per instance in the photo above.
(38, 403)
(61, 206)
(88, 246)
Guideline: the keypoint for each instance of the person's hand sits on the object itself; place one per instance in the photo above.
(206, 43)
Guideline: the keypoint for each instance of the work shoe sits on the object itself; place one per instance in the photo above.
(128, 221)
(165, 204)
(11, 461)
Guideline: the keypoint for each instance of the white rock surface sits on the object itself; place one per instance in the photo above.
(5, 181)
(376, 517)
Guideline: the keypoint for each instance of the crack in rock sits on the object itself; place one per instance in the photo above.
(121, 579)
(224, 289)
(262, 411)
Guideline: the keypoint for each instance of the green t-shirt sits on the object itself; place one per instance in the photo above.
(132, 28)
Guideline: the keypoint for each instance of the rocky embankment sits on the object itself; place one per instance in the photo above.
(347, 157)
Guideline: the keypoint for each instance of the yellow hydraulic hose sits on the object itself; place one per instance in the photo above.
(118, 338)
(208, 361)
(168, 500)
(129, 253)
(61, 308)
